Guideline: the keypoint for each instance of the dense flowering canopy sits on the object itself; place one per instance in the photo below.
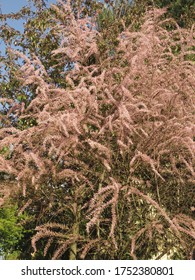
(118, 138)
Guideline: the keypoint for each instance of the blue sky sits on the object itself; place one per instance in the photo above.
(8, 6)
(12, 6)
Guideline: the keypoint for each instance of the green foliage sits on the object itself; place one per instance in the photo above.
(26, 123)
(183, 11)
(11, 231)
(6, 152)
